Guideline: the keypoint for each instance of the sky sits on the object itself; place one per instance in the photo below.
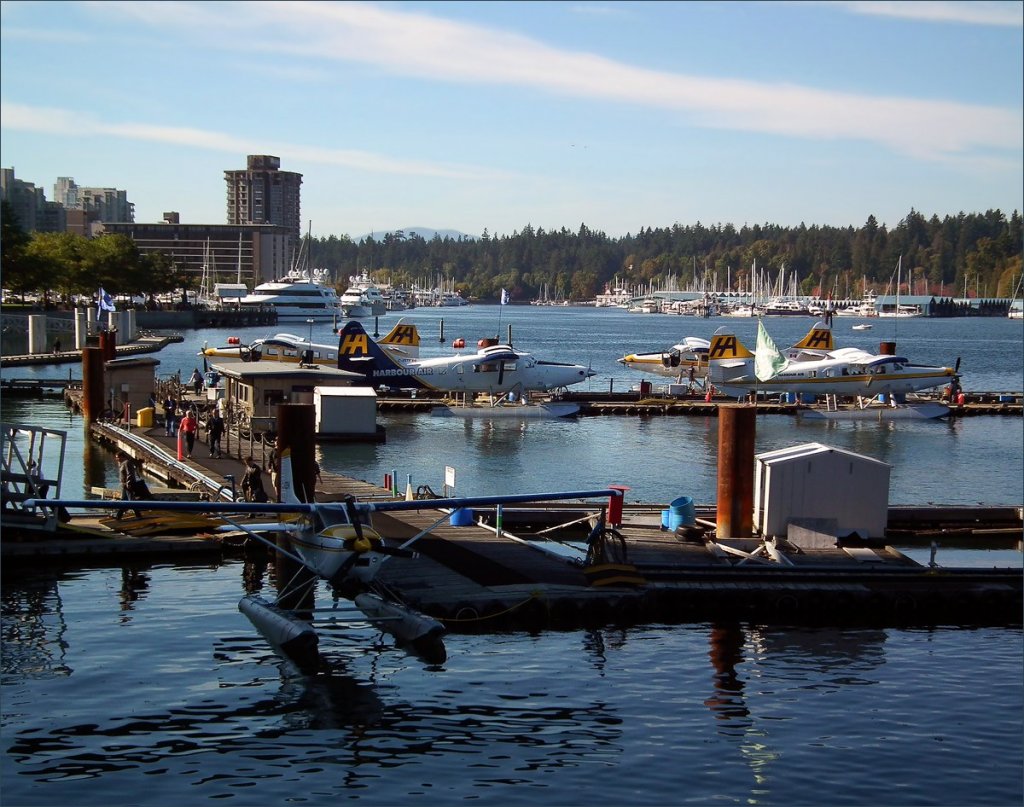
(491, 116)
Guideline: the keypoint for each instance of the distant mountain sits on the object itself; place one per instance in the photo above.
(426, 233)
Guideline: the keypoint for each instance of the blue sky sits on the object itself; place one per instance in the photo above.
(494, 115)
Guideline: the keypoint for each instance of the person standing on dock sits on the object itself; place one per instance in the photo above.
(189, 428)
(214, 432)
(128, 475)
(252, 482)
(196, 380)
(170, 415)
(56, 345)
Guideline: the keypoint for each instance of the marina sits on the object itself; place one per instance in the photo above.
(528, 635)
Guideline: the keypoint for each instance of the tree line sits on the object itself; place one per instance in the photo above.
(980, 253)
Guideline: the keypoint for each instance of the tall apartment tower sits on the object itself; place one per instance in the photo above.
(264, 194)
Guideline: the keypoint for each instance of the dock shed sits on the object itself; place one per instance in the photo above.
(130, 381)
(258, 387)
(815, 482)
(347, 413)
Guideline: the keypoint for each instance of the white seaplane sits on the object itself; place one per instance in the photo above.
(846, 372)
(332, 541)
(402, 342)
(495, 369)
(692, 353)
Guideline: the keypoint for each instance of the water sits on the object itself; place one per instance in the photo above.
(145, 685)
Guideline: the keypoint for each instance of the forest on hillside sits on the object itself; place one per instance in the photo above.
(976, 253)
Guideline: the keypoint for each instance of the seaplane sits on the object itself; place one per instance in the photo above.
(848, 372)
(333, 542)
(492, 369)
(692, 353)
(402, 342)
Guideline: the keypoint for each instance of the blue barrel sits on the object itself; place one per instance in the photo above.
(883, 398)
(789, 397)
(681, 513)
(1007, 398)
(463, 517)
(807, 398)
(665, 518)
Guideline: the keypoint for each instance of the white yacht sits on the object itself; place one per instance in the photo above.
(363, 299)
(296, 297)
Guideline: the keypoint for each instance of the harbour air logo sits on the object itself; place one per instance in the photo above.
(405, 335)
(354, 345)
(722, 347)
(820, 339)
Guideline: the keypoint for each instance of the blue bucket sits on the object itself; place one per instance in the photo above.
(665, 518)
(463, 517)
(681, 513)
(789, 397)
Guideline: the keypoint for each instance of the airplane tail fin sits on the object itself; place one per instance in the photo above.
(727, 347)
(818, 338)
(358, 353)
(403, 339)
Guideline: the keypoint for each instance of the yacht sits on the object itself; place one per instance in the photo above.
(363, 299)
(297, 297)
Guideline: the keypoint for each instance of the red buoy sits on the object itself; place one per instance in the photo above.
(460, 342)
(233, 340)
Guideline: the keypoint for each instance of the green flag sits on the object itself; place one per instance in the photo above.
(767, 359)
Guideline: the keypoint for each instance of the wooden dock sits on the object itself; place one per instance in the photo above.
(144, 344)
(472, 578)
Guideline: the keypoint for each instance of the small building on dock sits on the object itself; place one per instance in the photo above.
(130, 382)
(258, 387)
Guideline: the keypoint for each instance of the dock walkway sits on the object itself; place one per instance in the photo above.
(475, 579)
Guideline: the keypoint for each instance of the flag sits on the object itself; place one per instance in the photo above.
(104, 302)
(504, 297)
(767, 359)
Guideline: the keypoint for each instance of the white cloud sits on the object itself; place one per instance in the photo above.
(423, 46)
(20, 117)
(1010, 15)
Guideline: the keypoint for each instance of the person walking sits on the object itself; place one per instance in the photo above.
(214, 432)
(170, 416)
(128, 475)
(252, 482)
(189, 428)
(56, 346)
(196, 380)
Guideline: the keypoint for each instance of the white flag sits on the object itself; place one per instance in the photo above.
(767, 359)
(504, 297)
(105, 302)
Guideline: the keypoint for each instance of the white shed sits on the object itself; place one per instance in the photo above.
(815, 481)
(346, 413)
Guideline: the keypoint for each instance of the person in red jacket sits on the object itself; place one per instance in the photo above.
(189, 427)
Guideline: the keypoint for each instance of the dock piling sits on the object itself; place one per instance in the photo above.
(736, 427)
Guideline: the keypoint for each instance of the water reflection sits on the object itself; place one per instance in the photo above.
(134, 584)
(33, 630)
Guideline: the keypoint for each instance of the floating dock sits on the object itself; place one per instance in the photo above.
(529, 575)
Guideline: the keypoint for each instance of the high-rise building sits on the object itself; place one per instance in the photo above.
(264, 194)
(29, 206)
(108, 204)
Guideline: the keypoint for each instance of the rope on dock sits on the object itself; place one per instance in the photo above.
(536, 595)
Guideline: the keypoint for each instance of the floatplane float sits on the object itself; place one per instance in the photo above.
(334, 542)
(869, 378)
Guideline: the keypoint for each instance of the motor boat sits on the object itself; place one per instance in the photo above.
(297, 297)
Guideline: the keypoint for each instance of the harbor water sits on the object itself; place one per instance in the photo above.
(143, 684)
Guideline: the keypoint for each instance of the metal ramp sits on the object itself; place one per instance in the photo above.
(31, 467)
